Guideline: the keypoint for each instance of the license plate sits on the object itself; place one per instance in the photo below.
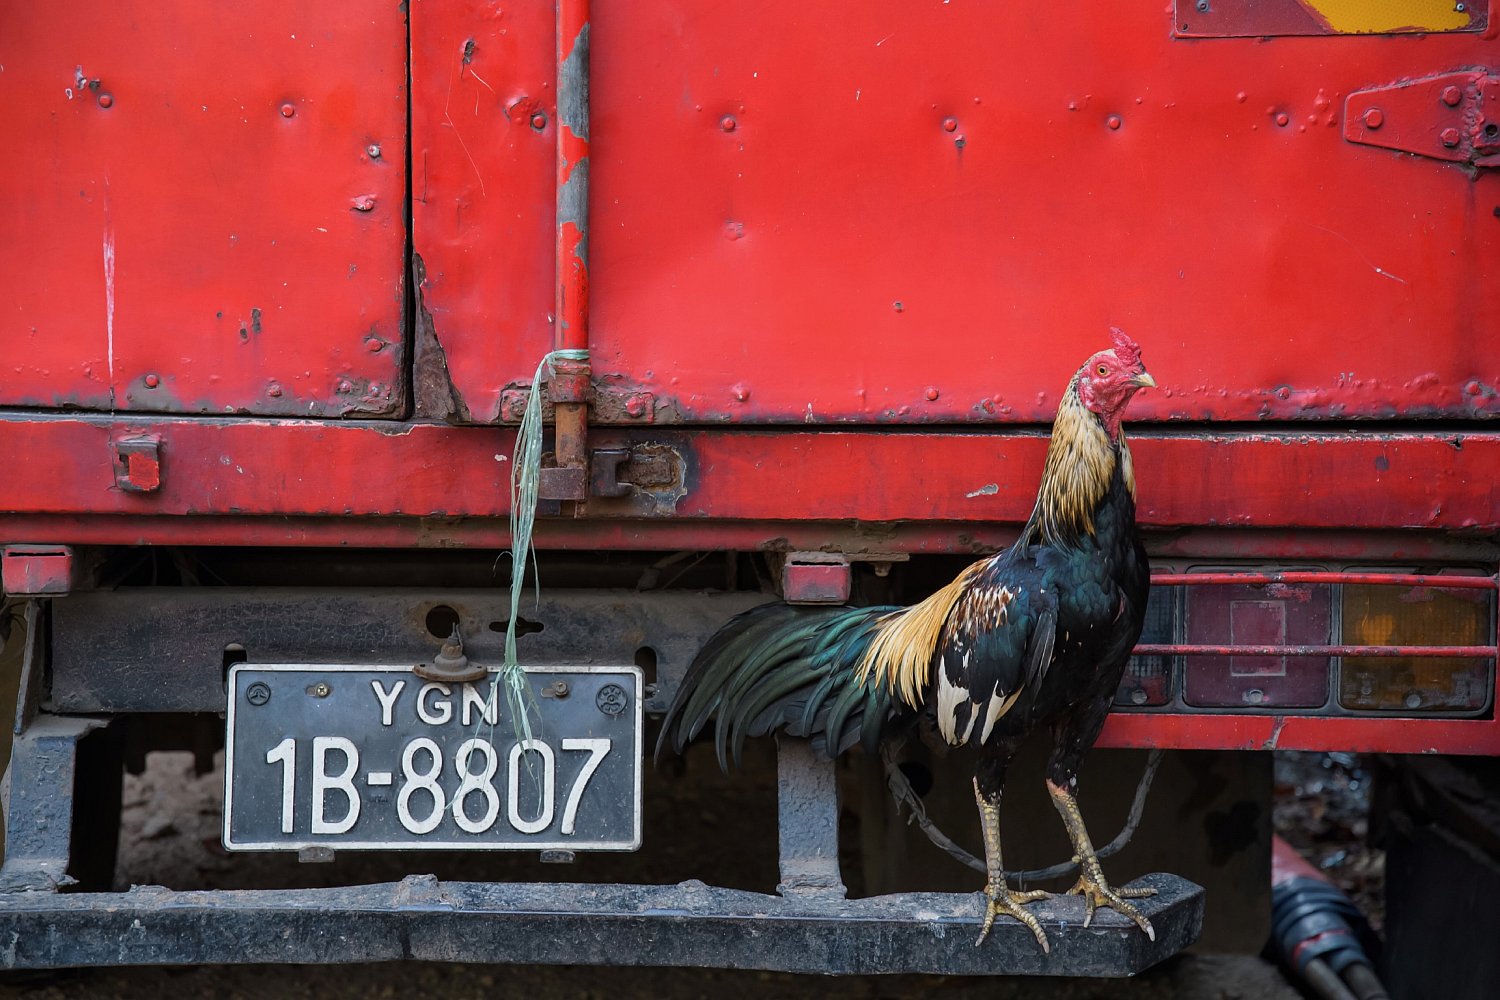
(375, 758)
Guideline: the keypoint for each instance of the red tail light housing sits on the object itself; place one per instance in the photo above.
(1355, 658)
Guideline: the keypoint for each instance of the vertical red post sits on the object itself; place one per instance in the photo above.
(571, 380)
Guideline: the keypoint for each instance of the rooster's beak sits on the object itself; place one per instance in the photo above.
(1143, 381)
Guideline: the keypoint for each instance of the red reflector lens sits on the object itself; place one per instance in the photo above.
(1273, 614)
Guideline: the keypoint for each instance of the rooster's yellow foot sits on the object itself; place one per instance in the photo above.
(1096, 892)
(1000, 899)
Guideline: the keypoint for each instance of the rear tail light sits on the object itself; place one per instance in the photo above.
(1273, 615)
(1148, 679)
(1319, 641)
(1415, 616)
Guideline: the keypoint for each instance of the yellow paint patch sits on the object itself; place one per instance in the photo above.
(1371, 17)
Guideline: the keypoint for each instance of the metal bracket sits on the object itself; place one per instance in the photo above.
(138, 463)
(611, 401)
(605, 466)
(808, 819)
(29, 693)
(559, 483)
(1453, 117)
(36, 794)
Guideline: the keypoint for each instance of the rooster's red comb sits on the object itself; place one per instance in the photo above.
(1127, 350)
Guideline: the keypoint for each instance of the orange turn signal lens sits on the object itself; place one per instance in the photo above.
(1416, 616)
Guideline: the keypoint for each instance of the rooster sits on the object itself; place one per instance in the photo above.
(1036, 635)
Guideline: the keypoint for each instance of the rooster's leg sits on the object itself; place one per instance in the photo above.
(999, 897)
(1096, 891)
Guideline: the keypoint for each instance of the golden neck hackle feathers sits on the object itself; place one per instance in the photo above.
(1080, 464)
(901, 652)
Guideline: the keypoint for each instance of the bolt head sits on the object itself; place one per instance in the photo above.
(152, 381)
(728, 124)
(538, 121)
(345, 386)
(950, 124)
(373, 150)
(1451, 96)
(932, 392)
(741, 392)
(635, 406)
(274, 391)
(288, 110)
(1114, 121)
(1374, 118)
(374, 344)
(1283, 119)
(106, 100)
(1449, 137)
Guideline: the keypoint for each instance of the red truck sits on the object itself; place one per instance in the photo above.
(796, 288)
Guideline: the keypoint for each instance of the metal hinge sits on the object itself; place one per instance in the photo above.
(1454, 117)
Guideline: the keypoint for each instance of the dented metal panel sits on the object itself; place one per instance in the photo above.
(905, 213)
(484, 131)
(207, 216)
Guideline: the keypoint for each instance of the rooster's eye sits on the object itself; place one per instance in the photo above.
(1102, 370)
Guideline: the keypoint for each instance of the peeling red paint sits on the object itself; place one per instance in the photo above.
(308, 468)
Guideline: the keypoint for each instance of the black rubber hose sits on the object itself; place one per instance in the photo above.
(1316, 931)
(902, 791)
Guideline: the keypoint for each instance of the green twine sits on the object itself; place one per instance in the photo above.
(525, 473)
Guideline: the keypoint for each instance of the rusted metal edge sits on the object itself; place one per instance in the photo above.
(434, 472)
(1294, 577)
(1292, 649)
(1305, 731)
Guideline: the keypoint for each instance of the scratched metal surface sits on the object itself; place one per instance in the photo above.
(207, 216)
(897, 212)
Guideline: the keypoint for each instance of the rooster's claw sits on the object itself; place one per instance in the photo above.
(1004, 900)
(1097, 893)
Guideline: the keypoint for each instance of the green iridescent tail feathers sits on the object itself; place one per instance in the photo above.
(782, 667)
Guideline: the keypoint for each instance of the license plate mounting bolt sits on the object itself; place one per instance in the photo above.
(450, 665)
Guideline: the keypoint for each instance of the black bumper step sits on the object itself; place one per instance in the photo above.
(690, 924)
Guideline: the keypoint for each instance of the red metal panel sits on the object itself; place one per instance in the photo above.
(919, 212)
(483, 134)
(309, 468)
(207, 217)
